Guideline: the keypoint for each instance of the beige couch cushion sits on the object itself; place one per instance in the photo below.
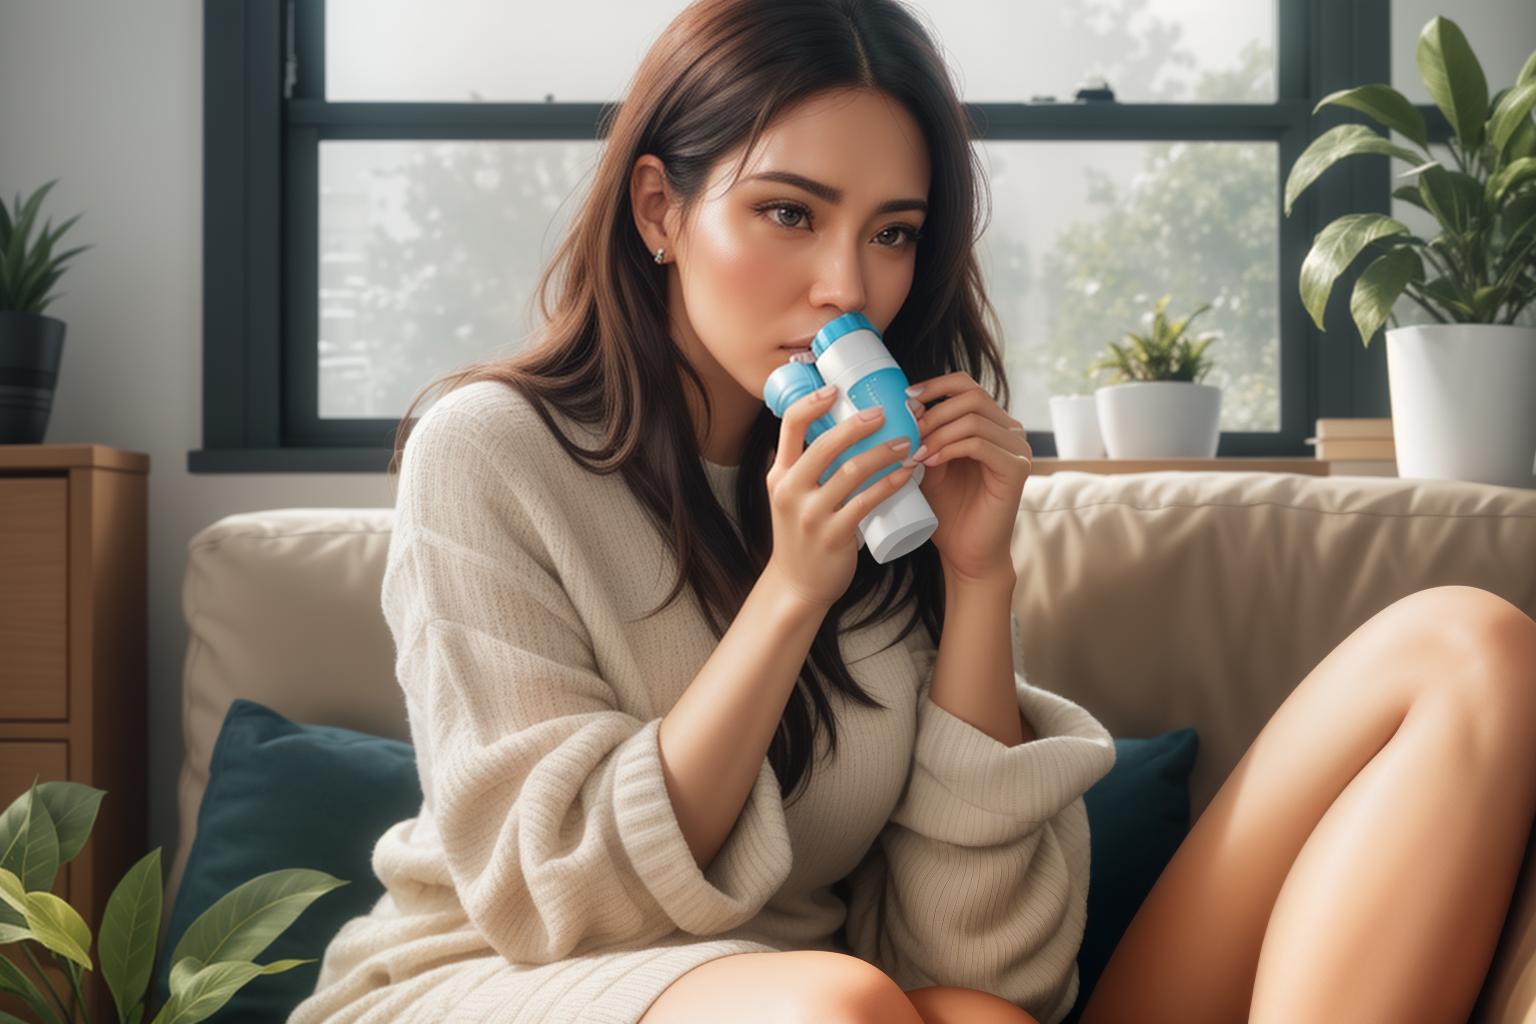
(1155, 600)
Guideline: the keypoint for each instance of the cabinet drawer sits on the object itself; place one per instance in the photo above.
(34, 569)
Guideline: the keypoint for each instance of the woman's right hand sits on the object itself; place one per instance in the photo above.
(815, 535)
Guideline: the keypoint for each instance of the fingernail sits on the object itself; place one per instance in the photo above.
(917, 407)
(914, 390)
(873, 412)
(824, 392)
(921, 451)
(900, 444)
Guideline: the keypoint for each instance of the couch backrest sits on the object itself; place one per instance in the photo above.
(1154, 600)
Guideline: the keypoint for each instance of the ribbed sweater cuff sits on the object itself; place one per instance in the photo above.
(749, 868)
(968, 788)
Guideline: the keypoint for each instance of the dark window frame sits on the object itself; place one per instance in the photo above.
(265, 116)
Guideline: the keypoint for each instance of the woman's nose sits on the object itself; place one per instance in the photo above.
(839, 282)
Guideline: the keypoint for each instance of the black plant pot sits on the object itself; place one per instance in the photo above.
(30, 347)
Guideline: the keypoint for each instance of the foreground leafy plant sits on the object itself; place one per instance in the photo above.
(46, 827)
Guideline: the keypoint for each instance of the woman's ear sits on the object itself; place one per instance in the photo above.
(651, 202)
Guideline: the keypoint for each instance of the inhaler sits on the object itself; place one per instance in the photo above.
(850, 353)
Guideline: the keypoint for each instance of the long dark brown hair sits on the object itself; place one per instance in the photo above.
(717, 76)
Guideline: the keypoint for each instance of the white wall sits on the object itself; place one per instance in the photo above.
(107, 97)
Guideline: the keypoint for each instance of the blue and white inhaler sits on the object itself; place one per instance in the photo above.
(850, 353)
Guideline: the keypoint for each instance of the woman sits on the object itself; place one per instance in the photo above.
(623, 819)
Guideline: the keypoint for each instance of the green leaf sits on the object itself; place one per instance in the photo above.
(1389, 107)
(129, 926)
(1454, 79)
(29, 843)
(1485, 302)
(59, 927)
(1512, 111)
(1410, 194)
(1445, 294)
(245, 920)
(1522, 143)
(1455, 199)
(205, 991)
(1334, 145)
(1335, 248)
(1528, 70)
(1379, 287)
(16, 982)
(1509, 177)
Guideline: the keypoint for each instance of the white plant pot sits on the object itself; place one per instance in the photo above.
(1075, 421)
(1156, 419)
(1464, 402)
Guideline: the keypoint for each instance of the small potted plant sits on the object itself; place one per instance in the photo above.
(45, 828)
(31, 344)
(1156, 407)
(1460, 386)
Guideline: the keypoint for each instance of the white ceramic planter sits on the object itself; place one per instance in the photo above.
(1464, 402)
(1155, 419)
(1075, 421)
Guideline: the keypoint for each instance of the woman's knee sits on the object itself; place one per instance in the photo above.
(1490, 647)
(848, 990)
(952, 1004)
(812, 986)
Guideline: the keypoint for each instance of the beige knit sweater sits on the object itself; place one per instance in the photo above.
(546, 878)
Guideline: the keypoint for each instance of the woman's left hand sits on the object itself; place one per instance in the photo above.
(977, 460)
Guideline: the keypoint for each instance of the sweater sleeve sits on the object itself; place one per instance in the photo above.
(548, 799)
(980, 877)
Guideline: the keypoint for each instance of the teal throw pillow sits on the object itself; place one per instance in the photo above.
(1138, 814)
(287, 795)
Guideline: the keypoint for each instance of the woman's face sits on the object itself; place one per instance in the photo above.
(763, 264)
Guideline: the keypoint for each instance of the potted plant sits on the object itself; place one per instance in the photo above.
(1156, 406)
(31, 344)
(46, 827)
(1460, 387)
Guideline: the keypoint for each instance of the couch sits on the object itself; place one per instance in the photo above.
(1155, 600)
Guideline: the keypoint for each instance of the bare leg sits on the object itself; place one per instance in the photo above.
(776, 988)
(1392, 908)
(1393, 912)
(952, 1004)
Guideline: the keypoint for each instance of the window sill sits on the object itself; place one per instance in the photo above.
(288, 460)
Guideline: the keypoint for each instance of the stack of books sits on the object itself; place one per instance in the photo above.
(1356, 447)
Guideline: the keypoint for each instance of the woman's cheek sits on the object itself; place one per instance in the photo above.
(744, 259)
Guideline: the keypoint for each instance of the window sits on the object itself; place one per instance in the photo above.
(385, 179)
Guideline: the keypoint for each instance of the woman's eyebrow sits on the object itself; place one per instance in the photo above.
(835, 195)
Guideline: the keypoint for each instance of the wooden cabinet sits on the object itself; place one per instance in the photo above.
(73, 660)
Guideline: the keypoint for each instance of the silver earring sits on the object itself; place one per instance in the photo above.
(660, 253)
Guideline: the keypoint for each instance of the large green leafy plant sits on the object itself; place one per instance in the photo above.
(28, 271)
(1163, 354)
(1480, 267)
(46, 827)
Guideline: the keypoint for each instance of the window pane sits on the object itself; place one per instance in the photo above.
(999, 50)
(429, 255)
(1148, 51)
(1502, 34)
(1085, 237)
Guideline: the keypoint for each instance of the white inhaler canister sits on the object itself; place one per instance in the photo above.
(850, 354)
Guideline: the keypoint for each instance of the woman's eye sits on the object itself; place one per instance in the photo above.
(773, 208)
(904, 234)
